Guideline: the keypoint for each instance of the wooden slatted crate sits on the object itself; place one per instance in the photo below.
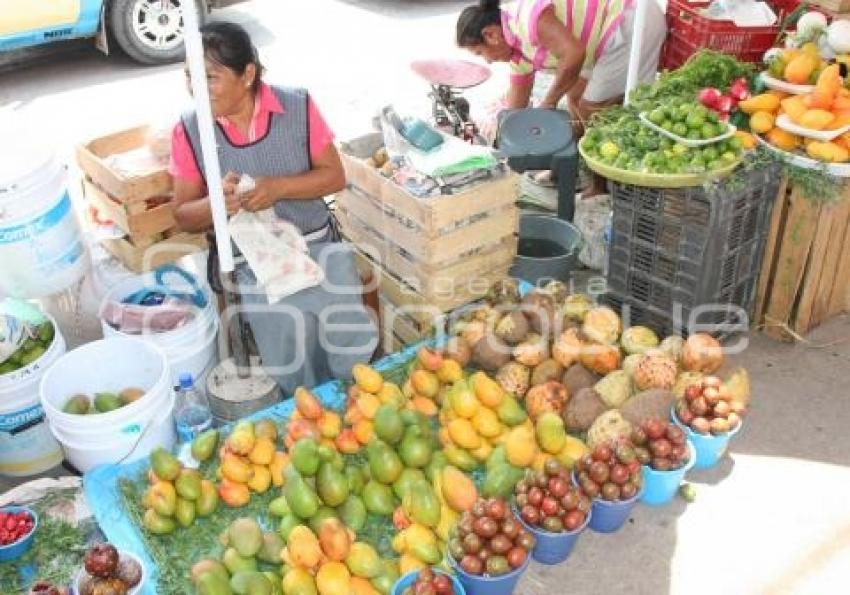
(805, 275)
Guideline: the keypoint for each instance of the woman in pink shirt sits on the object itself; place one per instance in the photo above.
(277, 136)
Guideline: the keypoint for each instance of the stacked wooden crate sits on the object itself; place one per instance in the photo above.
(805, 275)
(140, 205)
(429, 256)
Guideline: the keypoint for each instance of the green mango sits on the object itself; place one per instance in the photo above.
(250, 583)
(415, 451)
(287, 524)
(378, 498)
(157, 524)
(203, 446)
(324, 513)
(278, 507)
(46, 332)
(246, 536)
(353, 513)
(460, 458)
(510, 412)
(305, 456)
(384, 464)
(325, 452)
(438, 461)
(212, 583)
(188, 484)
(7, 367)
(236, 563)
(270, 550)
(106, 402)
(406, 480)
(165, 465)
(389, 575)
(422, 505)
(355, 479)
(332, 485)
(209, 565)
(363, 560)
(426, 551)
(388, 424)
(301, 498)
(184, 512)
(500, 480)
(409, 417)
(77, 405)
(207, 502)
(274, 579)
(498, 457)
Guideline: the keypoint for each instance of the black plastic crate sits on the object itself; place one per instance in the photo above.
(687, 247)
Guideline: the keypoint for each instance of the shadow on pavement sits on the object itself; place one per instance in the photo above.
(404, 9)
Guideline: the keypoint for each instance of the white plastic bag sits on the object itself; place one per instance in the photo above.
(591, 217)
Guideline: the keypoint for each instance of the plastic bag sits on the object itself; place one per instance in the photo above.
(591, 218)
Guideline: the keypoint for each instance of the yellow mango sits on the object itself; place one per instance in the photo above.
(766, 102)
(463, 434)
(827, 152)
(782, 139)
(367, 379)
(762, 122)
(261, 479)
(486, 422)
(333, 578)
(263, 452)
(816, 119)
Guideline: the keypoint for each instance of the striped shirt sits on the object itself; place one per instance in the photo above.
(593, 22)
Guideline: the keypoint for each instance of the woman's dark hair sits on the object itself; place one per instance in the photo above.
(229, 45)
(473, 20)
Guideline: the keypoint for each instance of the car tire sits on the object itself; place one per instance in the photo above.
(147, 33)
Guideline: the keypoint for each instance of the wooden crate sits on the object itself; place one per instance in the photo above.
(833, 6)
(92, 159)
(146, 258)
(805, 276)
(142, 220)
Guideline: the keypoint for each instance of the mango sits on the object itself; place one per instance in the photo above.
(329, 424)
(457, 489)
(353, 513)
(450, 371)
(800, 68)
(782, 139)
(334, 539)
(486, 423)
(762, 122)
(816, 119)
(462, 400)
(520, 447)
(421, 505)
(361, 586)
(300, 497)
(297, 581)
(241, 439)
(164, 464)
(363, 560)
(236, 563)
(250, 583)
(307, 404)
(390, 394)
(279, 462)
(271, 548)
(106, 402)
(409, 563)
(233, 494)
(438, 462)
(204, 445)
(278, 507)
(287, 524)
(261, 480)
(423, 405)
(213, 583)
(429, 359)
(77, 405)
(323, 514)
(460, 458)
(331, 485)
(265, 428)
(304, 548)
(388, 425)
(427, 552)
(408, 478)
(245, 536)
(367, 379)
(355, 479)
(463, 434)
(208, 565)
(188, 484)
(263, 451)
(384, 464)
(448, 522)
(500, 480)
(572, 451)
(378, 498)
(333, 578)
(156, 523)
(368, 406)
(551, 433)
(425, 383)
(488, 391)
(184, 512)
(347, 442)
(510, 412)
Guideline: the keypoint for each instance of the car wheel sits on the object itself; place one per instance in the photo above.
(150, 31)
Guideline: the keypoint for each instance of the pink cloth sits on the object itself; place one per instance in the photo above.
(182, 164)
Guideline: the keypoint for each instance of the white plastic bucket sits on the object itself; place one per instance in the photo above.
(122, 435)
(191, 348)
(26, 445)
(41, 247)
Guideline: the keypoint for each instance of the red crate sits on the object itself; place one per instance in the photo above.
(688, 32)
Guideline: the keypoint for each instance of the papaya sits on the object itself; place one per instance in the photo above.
(331, 485)
(458, 490)
(421, 505)
(766, 102)
(500, 480)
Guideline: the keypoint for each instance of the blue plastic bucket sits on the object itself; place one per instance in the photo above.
(659, 487)
(489, 585)
(553, 548)
(608, 517)
(408, 579)
(710, 448)
(15, 550)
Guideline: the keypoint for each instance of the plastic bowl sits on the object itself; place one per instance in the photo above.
(489, 585)
(608, 517)
(710, 448)
(659, 487)
(121, 554)
(553, 548)
(408, 579)
(15, 550)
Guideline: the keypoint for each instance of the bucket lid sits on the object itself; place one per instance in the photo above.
(28, 165)
(535, 132)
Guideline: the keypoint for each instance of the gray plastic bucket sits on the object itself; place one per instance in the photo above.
(547, 230)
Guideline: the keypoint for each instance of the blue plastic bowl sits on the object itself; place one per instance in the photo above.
(13, 551)
(710, 448)
(608, 517)
(553, 548)
(489, 585)
(408, 579)
(659, 487)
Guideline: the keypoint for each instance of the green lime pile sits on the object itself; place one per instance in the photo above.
(31, 349)
(688, 120)
(626, 143)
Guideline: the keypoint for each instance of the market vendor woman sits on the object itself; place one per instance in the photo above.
(277, 136)
(584, 43)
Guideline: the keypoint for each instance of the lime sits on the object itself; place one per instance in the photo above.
(657, 117)
(728, 157)
(609, 150)
(694, 135)
(667, 125)
(695, 120)
(680, 149)
(709, 131)
(716, 164)
(735, 144)
(680, 129)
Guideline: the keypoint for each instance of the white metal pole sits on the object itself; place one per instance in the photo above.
(198, 76)
(637, 43)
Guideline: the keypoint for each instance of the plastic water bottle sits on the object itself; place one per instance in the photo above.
(192, 411)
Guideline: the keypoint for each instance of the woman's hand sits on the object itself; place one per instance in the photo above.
(228, 185)
(264, 195)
